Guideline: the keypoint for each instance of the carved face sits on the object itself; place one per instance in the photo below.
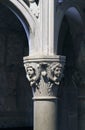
(57, 72)
(30, 72)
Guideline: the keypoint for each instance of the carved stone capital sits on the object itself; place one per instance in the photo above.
(44, 74)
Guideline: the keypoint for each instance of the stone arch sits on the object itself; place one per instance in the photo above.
(68, 10)
(70, 36)
(72, 29)
(11, 66)
(23, 13)
(75, 23)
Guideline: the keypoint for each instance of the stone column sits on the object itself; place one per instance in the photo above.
(44, 75)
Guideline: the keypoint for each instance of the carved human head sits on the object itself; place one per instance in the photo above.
(57, 70)
(30, 71)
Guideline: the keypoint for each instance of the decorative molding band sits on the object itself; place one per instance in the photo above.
(39, 58)
(44, 74)
(45, 98)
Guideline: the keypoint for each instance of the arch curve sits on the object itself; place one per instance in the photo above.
(28, 21)
(71, 30)
(21, 10)
(75, 20)
(75, 23)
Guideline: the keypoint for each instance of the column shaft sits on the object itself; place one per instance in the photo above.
(45, 114)
(47, 26)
